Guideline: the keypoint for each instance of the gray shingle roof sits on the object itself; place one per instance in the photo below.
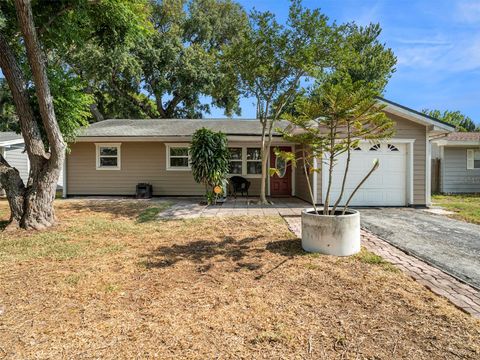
(171, 127)
(9, 136)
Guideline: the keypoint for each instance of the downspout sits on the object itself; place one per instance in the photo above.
(64, 170)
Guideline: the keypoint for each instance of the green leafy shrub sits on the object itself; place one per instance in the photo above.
(209, 159)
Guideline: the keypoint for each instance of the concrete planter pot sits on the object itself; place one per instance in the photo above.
(337, 235)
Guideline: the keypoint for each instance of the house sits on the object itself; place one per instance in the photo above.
(12, 148)
(110, 157)
(459, 158)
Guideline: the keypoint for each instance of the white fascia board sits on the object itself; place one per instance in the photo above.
(457, 143)
(11, 142)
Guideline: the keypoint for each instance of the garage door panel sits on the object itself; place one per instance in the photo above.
(385, 187)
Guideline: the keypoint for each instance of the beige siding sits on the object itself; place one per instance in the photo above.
(301, 185)
(405, 129)
(140, 162)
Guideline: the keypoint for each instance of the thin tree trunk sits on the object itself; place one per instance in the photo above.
(375, 167)
(307, 176)
(347, 166)
(263, 154)
(330, 172)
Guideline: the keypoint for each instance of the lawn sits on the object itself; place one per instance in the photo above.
(110, 281)
(466, 207)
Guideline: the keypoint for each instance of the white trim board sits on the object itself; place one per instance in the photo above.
(168, 146)
(119, 156)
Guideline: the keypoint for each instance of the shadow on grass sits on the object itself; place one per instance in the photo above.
(4, 224)
(245, 253)
(202, 251)
(292, 247)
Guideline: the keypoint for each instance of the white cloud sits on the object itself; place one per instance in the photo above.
(468, 11)
(440, 55)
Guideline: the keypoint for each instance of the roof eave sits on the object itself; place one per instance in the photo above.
(415, 116)
(462, 143)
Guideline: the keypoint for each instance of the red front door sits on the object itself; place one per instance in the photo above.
(281, 184)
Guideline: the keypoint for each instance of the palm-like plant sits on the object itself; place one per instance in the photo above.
(331, 121)
(209, 159)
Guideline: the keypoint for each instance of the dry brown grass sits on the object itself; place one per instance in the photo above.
(104, 285)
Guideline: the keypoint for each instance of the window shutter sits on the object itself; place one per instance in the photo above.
(470, 160)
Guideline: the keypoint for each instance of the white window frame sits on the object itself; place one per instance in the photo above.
(245, 161)
(471, 162)
(241, 160)
(177, 145)
(118, 156)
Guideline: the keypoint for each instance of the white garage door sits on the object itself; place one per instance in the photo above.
(387, 186)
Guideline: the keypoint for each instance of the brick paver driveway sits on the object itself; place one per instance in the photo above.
(451, 245)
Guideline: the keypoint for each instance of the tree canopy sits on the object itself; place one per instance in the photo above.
(460, 121)
(176, 71)
(331, 120)
(274, 62)
(68, 31)
(51, 98)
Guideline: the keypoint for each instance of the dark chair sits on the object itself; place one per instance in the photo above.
(239, 185)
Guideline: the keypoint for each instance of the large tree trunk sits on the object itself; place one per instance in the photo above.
(32, 205)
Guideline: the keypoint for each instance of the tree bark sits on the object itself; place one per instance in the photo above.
(14, 188)
(32, 205)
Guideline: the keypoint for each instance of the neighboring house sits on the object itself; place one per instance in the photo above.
(459, 158)
(110, 157)
(12, 147)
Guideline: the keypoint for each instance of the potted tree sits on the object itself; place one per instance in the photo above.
(209, 159)
(329, 123)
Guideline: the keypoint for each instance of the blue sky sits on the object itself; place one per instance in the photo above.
(437, 43)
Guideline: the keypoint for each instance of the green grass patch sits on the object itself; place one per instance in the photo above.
(151, 213)
(73, 242)
(465, 206)
(368, 257)
(54, 245)
(73, 279)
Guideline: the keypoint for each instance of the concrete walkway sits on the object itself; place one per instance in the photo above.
(184, 208)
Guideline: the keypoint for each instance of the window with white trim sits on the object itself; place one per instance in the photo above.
(473, 159)
(236, 161)
(108, 156)
(245, 161)
(178, 157)
(254, 161)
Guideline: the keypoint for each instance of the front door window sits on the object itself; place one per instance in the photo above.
(281, 166)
